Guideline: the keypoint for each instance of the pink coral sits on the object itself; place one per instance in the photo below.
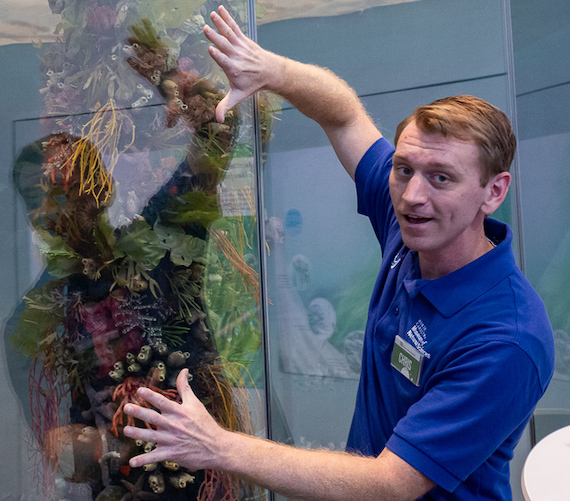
(112, 340)
(185, 64)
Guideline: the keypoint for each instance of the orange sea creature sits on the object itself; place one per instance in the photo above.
(126, 392)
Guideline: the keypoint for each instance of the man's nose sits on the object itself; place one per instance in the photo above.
(416, 190)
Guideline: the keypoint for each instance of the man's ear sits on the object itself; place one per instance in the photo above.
(497, 189)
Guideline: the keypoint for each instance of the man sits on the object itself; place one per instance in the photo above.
(458, 347)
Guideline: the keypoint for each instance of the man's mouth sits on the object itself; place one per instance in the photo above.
(416, 219)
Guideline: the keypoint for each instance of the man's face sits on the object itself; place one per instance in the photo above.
(437, 196)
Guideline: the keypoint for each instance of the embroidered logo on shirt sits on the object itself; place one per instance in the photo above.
(395, 261)
(417, 335)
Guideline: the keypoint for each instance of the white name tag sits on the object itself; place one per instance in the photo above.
(407, 360)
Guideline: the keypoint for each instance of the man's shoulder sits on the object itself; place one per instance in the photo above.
(513, 313)
(379, 154)
(371, 180)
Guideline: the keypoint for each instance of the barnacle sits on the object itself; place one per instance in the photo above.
(180, 481)
(156, 482)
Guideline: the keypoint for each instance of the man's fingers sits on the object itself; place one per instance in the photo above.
(232, 98)
(161, 439)
(183, 387)
(218, 40)
(154, 456)
(157, 400)
(223, 29)
(237, 56)
(225, 24)
(145, 414)
(141, 433)
(151, 416)
(230, 21)
(222, 109)
(222, 60)
(229, 100)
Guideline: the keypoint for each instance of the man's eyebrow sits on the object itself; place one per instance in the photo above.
(437, 165)
(441, 165)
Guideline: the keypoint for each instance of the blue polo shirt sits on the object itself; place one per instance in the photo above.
(486, 348)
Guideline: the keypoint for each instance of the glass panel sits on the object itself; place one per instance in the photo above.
(323, 257)
(541, 43)
(129, 245)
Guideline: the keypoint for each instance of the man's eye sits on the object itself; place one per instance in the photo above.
(440, 178)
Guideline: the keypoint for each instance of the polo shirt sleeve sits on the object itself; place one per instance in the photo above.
(372, 190)
(471, 406)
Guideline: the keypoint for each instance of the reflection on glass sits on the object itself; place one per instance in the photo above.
(148, 236)
(543, 97)
(324, 257)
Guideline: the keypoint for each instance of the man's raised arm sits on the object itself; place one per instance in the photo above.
(316, 92)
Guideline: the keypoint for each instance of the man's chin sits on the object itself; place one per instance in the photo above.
(418, 244)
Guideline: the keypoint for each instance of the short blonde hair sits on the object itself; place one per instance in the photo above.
(469, 118)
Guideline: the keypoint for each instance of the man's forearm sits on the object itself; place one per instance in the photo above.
(327, 99)
(320, 474)
(316, 92)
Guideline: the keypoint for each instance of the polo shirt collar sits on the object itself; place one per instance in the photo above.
(474, 279)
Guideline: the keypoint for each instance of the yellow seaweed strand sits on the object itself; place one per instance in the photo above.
(100, 138)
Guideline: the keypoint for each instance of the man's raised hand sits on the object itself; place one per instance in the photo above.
(244, 62)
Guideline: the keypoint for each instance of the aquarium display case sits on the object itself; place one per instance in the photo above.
(136, 250)
(139, 236)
